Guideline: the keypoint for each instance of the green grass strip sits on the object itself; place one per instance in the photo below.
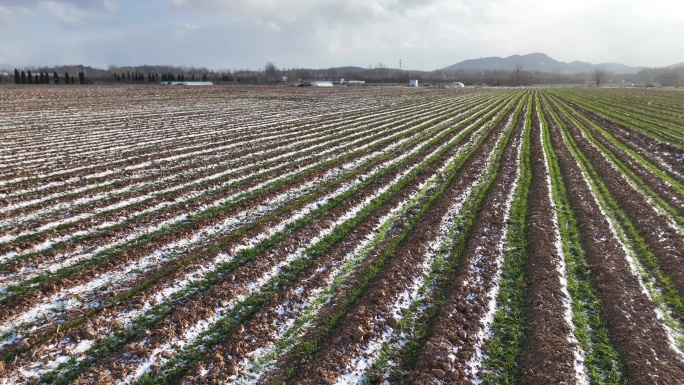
(603, 364)
(658, 285)
(120, 337)
(507, 329)
(632, 120)
(573, 115)
(181, 362)
(397, 356)
(235, 235)
(312, 345)
(223, 190)
(24, 287)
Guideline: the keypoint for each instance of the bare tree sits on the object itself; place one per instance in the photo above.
(518, 72)
(271, 71)
(599, 76)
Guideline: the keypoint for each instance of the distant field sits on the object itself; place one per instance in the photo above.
(158, 235)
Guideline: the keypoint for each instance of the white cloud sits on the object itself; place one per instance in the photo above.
(66, 15)
(425, 34)
(184, 28)
(111, 5)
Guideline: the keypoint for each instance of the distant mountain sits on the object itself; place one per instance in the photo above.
(537, 62)
(677, 65)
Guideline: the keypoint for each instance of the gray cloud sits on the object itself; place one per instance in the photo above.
(319, 33)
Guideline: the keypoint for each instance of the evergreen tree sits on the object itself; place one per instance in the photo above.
(55, 77)
(23, 77)
(17, 78)
(66, 78)
(193, 77)
(42, 78)
(81, 77)
(204, 77)
(29, 77)
(36, 79)
(73, 80)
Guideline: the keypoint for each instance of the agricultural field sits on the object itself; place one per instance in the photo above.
(174, 235)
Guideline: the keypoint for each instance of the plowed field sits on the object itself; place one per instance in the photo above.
(255, 235)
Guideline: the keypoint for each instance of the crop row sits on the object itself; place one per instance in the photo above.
(492, 236)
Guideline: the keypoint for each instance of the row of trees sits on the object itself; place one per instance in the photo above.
(154, 77)
(380, 73)
(44, 78)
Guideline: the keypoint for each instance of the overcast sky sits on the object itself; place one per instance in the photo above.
(425, 34)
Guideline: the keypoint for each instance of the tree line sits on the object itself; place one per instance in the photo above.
(45, 78)
(380, 73)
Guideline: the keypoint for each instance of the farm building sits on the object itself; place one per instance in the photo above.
(413, 83)
(320, 83)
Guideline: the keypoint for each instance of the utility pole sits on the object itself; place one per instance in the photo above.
(399, 64)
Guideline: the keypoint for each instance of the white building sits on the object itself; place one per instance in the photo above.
(413, 83)
(321, 83)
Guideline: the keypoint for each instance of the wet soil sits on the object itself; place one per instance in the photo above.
(638, 336)
(372, 315)
(453, 340)
(547, 354)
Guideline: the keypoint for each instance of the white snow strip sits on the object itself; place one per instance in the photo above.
(577, 351)
(195, 331)
(635, 267)
(655, 206)
(483, 334)
(252, 369)
(50, 364)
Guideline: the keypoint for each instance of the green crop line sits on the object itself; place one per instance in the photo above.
(312, 345)
(647, 104)
(420, 316)
(633, 120)
(24, 287)
(658, 284)
(225, 189)
(603, 364)
(634, 105)
(507, 329)
(120, 337)
(574, 116)
(183, 361)
(239, 232)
